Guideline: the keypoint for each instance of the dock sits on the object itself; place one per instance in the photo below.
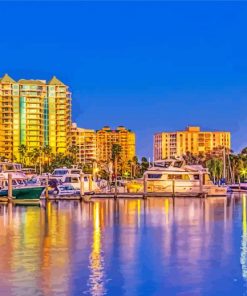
(139, 195)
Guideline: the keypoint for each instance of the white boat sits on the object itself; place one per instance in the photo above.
(239, 187)
(19, 178)
(22, 192)
(174, 176)
(60, 173)
(74, 180)
(67, 190)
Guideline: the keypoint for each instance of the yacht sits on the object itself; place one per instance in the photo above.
(60, 173)
(18, 176)
(21, 189)
(174, 176)
(74, 180)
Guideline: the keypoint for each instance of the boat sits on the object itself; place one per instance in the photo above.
(74, 180)
(239, 187)
(175, 177)
(24, 194)
(60, 173)
(67, 192)
(22, 191)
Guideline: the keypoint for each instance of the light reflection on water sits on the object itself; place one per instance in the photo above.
(159, 246)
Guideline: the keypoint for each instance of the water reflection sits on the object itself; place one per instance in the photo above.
(96, 266)
(125, 247)
(243, 258)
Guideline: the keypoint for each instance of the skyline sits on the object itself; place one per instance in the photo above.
(182, 63)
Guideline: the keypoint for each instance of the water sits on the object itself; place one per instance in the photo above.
(185, 247)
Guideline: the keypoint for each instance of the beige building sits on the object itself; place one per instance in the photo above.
(85, 140)
(176, 144)
(106, 137)
(34, 113)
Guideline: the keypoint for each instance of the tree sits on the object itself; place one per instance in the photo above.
(23, 152)
(144, 165)
(87, 168)
(73, 150)
(47, 150)
(244, 151)
(190, 158)
(116, 152)
(61, 160)
(215, 167)
(134, 165)
(34, 156)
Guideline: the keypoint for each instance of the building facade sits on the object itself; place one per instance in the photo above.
(85, 141)
(193, 140)
(34, 113)
(106, 137)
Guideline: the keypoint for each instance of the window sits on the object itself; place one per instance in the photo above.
(60, 172)
(154, 176)
(178, 177)
(71, 180)
(75, 172)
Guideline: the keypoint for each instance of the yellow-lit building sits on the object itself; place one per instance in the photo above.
(106, 137)
(85, 140)
(9, 115)
(34, 113)
(176, 144)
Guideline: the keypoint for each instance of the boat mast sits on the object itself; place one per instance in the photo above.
(224, 163)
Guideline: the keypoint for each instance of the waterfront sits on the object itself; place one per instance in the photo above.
(158, 246)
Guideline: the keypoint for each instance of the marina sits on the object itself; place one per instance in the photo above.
(169, 178)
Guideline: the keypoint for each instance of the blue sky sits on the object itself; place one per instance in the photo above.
(148, 66)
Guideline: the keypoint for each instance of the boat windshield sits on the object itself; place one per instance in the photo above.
(163, 164)
(21, 182)
(67, 187)
(59, 173)
(154, 176)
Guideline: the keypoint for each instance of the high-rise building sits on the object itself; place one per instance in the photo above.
(9, 116)
(34, 113)
(85, 141)
(106, 137)
(176, 144)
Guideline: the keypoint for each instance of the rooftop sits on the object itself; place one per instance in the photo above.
(32, 81)
(7, 79)
(55, 81)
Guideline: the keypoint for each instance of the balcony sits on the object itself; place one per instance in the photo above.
(7, 93)
(7, 105)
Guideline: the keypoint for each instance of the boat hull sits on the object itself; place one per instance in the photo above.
(185, 187)
(25, 193)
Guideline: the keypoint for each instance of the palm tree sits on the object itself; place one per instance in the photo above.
(116, 151)
(189, 158)
(73, 150)
(134, 165)
(215, 167)
(47, 150)
(235, 165)
(23, 151)
(244, 151)
(34, 156)
(144, 165)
